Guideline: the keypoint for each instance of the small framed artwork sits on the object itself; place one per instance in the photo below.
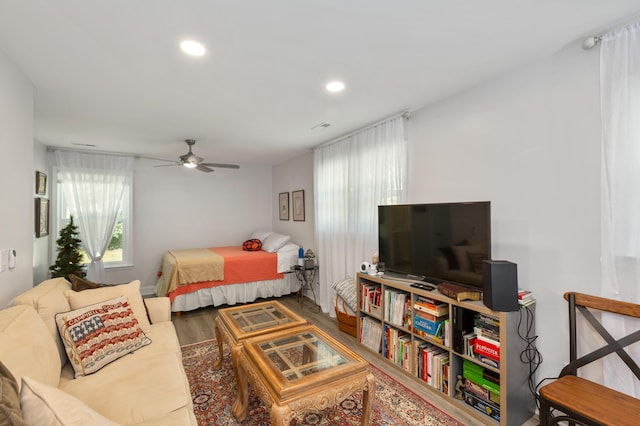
(284, 205)
(41, 183)
(297, 198)
(42, 217)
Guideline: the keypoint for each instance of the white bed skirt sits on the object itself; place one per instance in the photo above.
(235, 293)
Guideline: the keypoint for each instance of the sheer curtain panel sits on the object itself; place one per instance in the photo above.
(94, 186)
(620, 94)
(352, 177)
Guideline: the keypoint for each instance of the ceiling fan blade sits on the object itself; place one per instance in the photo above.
(221, 166)
(204, 168)
(165, 165)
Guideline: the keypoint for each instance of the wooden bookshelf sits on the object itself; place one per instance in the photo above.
(412, 341)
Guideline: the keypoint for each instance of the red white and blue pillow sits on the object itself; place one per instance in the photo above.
(99, 334)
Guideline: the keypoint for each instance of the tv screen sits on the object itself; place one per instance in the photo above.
(435, 242)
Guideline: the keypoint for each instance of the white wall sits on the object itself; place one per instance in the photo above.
(176, 208)
(42, 245)
(294, 175)
(17, 177)
(530, 143)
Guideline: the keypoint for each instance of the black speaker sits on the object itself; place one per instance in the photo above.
(500, 285)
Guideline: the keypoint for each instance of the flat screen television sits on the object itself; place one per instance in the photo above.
(435, 242)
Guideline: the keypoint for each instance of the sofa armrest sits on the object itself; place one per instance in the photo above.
(159, 309)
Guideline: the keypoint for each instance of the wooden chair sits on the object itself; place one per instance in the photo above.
(580, 400)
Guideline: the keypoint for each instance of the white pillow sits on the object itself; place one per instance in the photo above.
(274, 242)
(45, 405)
(289, 247)
(260, 235)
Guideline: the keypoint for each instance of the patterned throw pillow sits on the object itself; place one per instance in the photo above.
(346, 289)
(98, 334)
(252, 245)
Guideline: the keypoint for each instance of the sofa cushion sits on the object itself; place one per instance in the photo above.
(136, 389)
(99, 334)
(26, 346)
(10, 412)
(131, 291)
(48, 299)
(47, 405)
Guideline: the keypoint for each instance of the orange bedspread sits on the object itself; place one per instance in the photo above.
(239, 267)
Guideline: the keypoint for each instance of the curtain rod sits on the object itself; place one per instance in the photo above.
(88, 151)
(593, 40)
(405, 114)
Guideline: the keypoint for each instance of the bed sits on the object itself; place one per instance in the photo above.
(214, 276)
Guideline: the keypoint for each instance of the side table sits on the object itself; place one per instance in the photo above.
(307, 278)
(300, 369)
(234, 324)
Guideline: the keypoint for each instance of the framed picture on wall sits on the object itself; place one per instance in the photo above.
(284, 205)
(41, 183)
(42, 217)
(297, 198)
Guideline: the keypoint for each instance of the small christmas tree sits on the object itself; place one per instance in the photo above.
(69, 257)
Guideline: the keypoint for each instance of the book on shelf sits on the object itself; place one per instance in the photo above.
(437, 310)
(459, 292)
(397, 307)
(482, 406)
(525, 297)
(430, 327)
(487, 347)
(431, 317)
(371, 333)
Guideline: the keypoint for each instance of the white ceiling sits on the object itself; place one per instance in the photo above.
(110, 73)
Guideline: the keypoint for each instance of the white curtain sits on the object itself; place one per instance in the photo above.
(352, 177)
(620, 168)
(94, 186)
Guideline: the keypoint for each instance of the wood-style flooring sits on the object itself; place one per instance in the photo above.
(196, 326)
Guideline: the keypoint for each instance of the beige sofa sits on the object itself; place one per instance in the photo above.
(146, 387)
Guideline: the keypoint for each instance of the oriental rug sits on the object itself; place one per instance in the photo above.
(214, 392)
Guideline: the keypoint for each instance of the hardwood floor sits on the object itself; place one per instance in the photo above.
(196, 326)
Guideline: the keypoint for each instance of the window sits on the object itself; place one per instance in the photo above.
(119, 250)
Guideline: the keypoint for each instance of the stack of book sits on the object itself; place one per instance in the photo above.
(432, 365)
(430, 319)
(397, 347)
(371, 333)
(525, 297)
(486, 345)
(397, 308)
(370, 297)
(481, 389)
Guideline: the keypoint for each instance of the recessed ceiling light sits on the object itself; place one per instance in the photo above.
(191, 47)
(335, 86)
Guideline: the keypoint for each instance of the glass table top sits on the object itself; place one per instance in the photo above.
(302, 354)
(259, 318)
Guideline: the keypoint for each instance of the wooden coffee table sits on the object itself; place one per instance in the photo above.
(233, 325)
(298, 370)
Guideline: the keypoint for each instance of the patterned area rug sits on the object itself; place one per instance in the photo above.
(214, 392)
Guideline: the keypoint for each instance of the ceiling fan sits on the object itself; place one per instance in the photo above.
(192, 161)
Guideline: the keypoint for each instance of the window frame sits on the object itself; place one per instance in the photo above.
(60, 222)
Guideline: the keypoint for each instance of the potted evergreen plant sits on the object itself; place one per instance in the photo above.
(69, 257)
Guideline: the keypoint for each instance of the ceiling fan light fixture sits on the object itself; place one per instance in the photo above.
(335, 86)
(190, 165)
(192, 47)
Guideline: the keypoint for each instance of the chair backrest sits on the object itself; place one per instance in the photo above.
(587, 305)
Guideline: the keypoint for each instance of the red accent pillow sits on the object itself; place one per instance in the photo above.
(252, 245)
